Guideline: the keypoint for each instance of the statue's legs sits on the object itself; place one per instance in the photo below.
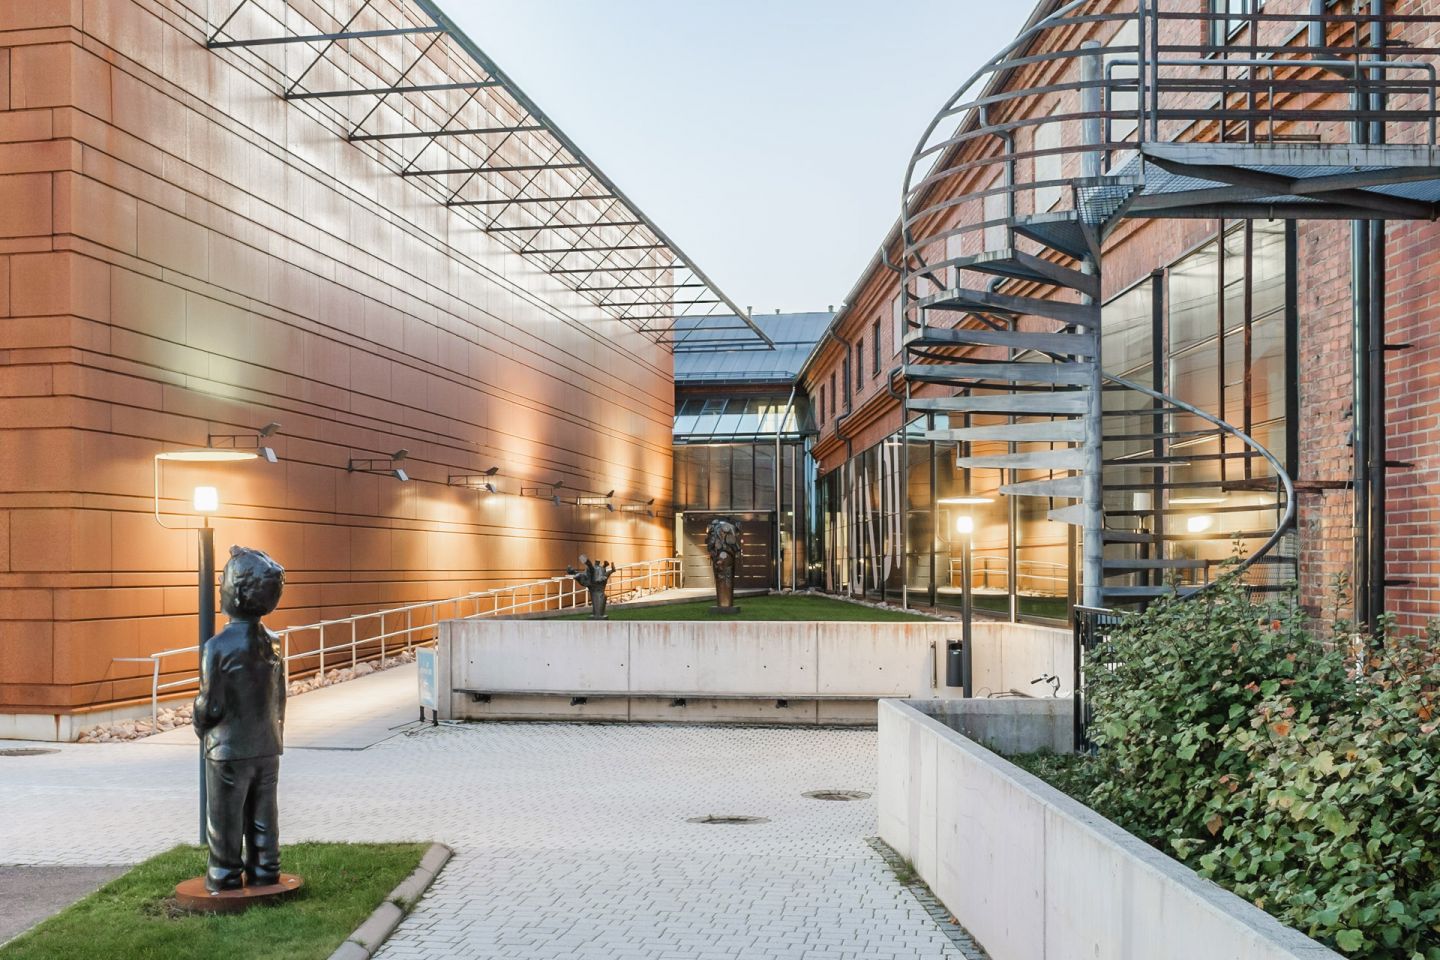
(242, 820)
(226, 787)
(262, 824)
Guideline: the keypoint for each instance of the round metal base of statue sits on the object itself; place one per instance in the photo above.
(725, 611)
(192, 895)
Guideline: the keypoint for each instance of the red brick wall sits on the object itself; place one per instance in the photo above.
(183, 253)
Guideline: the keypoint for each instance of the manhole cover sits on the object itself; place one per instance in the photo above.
(727, 818)
(837, 795)
(25, 752)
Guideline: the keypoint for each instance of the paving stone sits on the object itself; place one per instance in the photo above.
(570, 840)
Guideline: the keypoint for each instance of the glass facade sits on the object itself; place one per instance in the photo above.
(896, 519)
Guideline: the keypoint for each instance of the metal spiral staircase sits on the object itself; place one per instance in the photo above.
(1092, 116)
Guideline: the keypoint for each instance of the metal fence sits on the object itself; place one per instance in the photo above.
(1092, 628)
(349, 641)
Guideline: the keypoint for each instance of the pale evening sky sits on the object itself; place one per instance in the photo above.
(768, 137)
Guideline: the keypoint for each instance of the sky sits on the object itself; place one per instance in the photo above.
(768, 138)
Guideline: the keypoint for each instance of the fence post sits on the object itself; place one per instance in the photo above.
(154, 694)
(409, 627)
(322, 650)
(285, 655)
(354, 650)
(382, 638)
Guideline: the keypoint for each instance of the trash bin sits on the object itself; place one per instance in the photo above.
(954, 663)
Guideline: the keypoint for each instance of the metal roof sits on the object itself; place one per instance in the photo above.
(398, 79)
(698, 361)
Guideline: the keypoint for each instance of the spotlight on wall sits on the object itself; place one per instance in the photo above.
(245, 442)
(605, 500)
(476, 481)
(646, 508)
(383, 466)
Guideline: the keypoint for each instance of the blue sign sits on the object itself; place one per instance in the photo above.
(425, 661)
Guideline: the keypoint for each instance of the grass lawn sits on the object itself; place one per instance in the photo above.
(130, 919)
(762, 608)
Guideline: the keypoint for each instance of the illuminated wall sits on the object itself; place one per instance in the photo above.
(183, 253)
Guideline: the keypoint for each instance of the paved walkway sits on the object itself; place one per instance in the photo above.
(570, 840)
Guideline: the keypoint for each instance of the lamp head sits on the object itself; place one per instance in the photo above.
(492, 471)
(206, 500)
(400, 475)
(270, 429)
(400, 454)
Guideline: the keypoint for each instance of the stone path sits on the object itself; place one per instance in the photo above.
(570, 840)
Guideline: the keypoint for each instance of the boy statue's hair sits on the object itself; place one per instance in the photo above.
(251, 583)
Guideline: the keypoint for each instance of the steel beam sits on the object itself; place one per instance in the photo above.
(601, 249)
(508, 168)
(325, 37)
(567, 226)
(386, 91)
(466, 131)
(1278, 185)
(508, 200)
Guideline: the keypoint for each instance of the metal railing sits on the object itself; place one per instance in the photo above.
(362, 637)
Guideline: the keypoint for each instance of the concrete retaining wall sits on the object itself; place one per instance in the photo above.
(766, 659)
(1035, 875)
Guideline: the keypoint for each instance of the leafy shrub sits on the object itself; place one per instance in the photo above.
(1300, 770)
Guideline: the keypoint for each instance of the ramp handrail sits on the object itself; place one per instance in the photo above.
(417, 624)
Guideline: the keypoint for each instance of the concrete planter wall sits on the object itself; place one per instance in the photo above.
(543, 664)
(1035, 875)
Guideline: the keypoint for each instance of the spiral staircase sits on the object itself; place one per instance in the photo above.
(1282, 116)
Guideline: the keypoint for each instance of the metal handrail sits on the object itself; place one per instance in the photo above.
(556, 593)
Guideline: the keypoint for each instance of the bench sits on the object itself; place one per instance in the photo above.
(677, 699)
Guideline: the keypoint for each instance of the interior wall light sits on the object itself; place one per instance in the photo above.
(382, 466)
(1199, 523)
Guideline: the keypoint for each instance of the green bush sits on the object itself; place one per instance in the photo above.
(1295, 765)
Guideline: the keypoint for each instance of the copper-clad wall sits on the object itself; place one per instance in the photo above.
(184, 253)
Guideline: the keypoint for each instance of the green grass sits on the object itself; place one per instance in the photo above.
(134, 916)
(762, 608)
(1049, 608)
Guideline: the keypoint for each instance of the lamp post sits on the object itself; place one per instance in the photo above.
(205, 500)
(965, 530)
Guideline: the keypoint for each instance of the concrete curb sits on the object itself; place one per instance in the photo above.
(367, 938)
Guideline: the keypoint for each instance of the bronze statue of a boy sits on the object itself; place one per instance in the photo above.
(240, 713)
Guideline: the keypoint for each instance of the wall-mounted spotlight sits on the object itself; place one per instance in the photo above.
(605, 500)
(647, 508)
(245, 441)
(549, 491)
(383, 466)
(476, 481)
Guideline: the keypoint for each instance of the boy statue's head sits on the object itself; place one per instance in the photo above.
(250, 587)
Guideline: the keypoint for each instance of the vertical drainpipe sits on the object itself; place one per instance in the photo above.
(1375, 525)
(1093, 546)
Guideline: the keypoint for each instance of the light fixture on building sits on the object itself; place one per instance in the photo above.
(476, 481)
(245, 442)
(965, 501)
(964, 523)
(383, 466)
(1196, 501)
(647, 508)
(1199, 523)
(605, 500)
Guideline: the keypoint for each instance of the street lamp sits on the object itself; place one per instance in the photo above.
(205, 500)
(965, 528)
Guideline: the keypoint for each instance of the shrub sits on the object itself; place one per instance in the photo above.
(1294, 765)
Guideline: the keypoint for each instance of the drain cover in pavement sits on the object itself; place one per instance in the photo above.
(837, 795)
(25, 752)
(727, 818)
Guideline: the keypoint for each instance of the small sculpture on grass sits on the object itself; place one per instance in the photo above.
(593, 577)
(722, 542)
(240, 717)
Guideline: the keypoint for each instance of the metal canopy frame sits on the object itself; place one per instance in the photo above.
(398, 79)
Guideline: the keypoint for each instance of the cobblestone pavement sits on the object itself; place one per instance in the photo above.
(570, 840)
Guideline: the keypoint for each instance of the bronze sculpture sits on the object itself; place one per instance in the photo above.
(593, 577)
(240, 714)
(722, 542)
